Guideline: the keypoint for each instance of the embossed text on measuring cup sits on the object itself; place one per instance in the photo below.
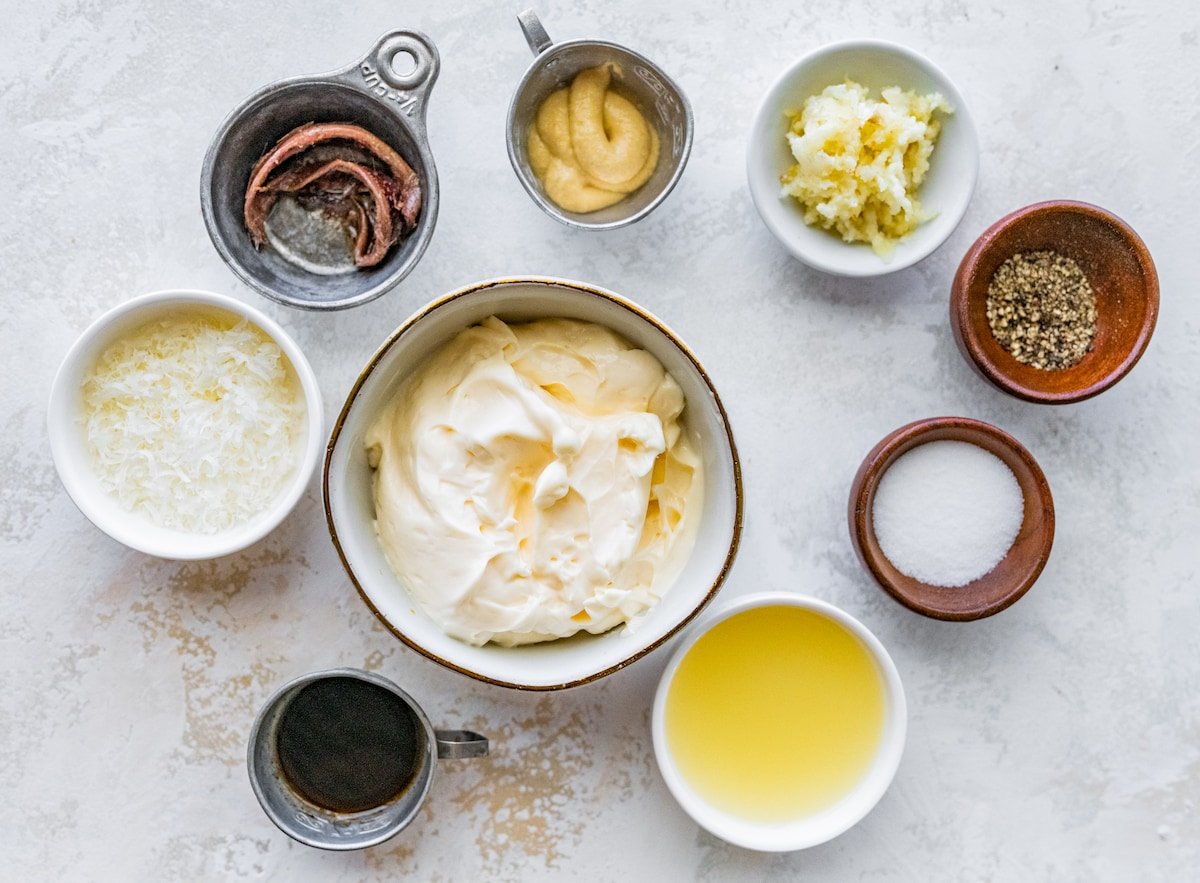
(374, 82)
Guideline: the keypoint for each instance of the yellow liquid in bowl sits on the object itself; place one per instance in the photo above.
(775, 713)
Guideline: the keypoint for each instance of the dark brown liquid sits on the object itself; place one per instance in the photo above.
(348, 745)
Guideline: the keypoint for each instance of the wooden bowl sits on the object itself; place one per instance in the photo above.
(1116, 263)
(1008, 580)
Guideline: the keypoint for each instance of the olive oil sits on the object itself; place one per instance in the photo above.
(775, 713)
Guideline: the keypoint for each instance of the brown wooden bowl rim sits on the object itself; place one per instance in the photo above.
(866, 480)
(959, 302)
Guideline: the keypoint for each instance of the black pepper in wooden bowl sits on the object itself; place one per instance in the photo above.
(1119, 271)
(1042, 309)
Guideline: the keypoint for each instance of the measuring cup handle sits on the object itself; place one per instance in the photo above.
(535, 35)
(408, 92)
(455, 744)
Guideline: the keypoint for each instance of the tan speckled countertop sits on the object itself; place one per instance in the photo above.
(1057, 741)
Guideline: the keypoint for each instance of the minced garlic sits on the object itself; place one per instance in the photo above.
(860, 161)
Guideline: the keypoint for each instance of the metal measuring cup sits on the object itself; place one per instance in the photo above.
(655, 94)
(374, 93)
(323, 828)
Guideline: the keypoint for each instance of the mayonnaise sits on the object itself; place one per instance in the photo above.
(535, 480)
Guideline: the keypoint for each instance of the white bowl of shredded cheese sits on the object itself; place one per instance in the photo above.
(185, 424)
(831, 76)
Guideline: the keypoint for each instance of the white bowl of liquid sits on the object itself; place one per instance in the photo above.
(779, 723)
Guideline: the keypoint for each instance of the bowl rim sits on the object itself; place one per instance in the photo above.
(960, 302)
(884, 454)
(892, 742)
(585, 288)
(767, 106)
(334, 80)
(200, 547)
(530, 187)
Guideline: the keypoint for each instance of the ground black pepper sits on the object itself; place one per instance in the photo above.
(1041, 308)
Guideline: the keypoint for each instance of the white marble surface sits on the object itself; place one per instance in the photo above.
(1057, 741)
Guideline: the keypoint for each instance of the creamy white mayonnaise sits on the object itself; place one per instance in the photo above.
(535, 480)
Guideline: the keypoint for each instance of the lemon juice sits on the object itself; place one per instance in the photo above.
(775, 713)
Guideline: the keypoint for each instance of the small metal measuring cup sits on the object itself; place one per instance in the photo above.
(323, 828)
(654, 93)
(375, 93)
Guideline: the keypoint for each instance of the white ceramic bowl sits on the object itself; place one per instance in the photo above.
(809, 830)
(946, 189)
(350, 508)
(73, 461)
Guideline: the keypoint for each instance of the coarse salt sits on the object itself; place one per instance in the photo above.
(947, 512)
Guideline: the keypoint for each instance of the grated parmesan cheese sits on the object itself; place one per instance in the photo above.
(195, 422)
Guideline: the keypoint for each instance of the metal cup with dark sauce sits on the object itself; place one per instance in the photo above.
(375, 93)
(338, 829)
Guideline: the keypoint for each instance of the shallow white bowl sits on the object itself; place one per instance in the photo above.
(74, 462)
(875, 64)
(809, 830)
(350, 507)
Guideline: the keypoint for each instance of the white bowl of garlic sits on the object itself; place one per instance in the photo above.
(878, 152)
(185, 424)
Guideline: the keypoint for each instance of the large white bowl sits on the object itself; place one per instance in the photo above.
(819, 827)
(946, 189)
(350, 508)
(74, 462)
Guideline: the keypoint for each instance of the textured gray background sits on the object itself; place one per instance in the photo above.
(1057, 741)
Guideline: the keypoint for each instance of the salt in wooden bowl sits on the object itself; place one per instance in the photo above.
(1007, 581)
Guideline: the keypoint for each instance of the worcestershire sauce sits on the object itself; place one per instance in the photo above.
(348, 745)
